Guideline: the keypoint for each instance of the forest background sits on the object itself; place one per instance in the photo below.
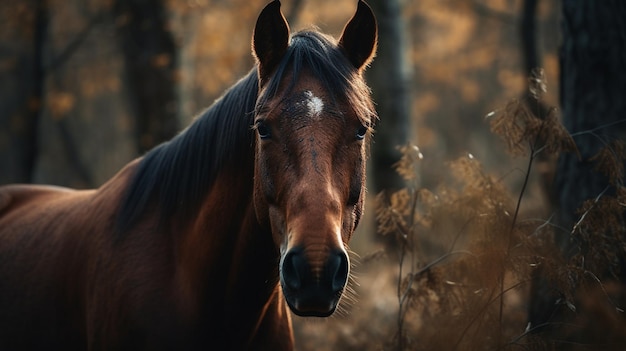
(88, 85)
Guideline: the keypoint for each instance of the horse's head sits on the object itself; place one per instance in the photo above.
(313, 120)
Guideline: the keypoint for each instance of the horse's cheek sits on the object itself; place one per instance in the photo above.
(260, 194)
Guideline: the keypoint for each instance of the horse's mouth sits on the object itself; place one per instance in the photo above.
(312, 304)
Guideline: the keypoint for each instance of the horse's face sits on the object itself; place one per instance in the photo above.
(310, 165)
(310, 174)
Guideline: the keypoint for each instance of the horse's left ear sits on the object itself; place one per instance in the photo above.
(270, 39)
(359, 37)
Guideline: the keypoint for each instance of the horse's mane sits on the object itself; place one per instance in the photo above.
(178, 174)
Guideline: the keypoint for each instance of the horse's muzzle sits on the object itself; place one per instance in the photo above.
(309, 291)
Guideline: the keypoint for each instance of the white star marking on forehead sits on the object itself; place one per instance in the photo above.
(313, 104)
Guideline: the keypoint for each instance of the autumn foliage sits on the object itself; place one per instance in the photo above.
(468, 254)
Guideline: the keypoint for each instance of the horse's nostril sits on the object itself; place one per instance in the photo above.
(292, 269)
(337, 267)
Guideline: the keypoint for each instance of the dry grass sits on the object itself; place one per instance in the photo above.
(459, 275)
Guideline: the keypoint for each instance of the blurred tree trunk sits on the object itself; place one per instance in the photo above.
(23, 26)
(593, 88)
(85, 128)
(150, 56)
(79, 101)
(528, 31)
(390, 79)
(592, 97)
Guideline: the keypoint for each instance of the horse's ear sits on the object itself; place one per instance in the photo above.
(270, 39)
(360, 35)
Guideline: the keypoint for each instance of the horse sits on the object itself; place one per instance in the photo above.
(209, 240)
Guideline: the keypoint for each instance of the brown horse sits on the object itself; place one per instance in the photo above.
(205, 241)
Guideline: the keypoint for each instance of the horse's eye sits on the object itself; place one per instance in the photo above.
(264, 130)
(361, 132)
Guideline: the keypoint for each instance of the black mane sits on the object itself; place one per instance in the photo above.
(178, 174)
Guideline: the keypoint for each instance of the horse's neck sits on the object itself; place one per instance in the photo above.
(228, 261)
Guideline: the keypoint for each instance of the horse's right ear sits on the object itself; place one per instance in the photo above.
(270, 39)
(360, 36)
